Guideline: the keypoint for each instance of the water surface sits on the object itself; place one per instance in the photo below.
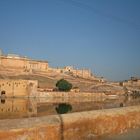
(11, 108)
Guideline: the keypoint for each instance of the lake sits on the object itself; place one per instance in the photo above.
(11, 108)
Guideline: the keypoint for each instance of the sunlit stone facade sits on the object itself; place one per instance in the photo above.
(18, 88)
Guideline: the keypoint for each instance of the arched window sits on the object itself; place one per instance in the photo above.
(3, 92)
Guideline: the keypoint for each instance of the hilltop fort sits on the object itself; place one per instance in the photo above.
(24, 64)
(14, 67)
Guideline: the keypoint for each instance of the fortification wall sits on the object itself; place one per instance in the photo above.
(23, 63)
(84, 73)
(18, 88)
(29, 65)
(75, 126)
(131, 83)
(12, 62)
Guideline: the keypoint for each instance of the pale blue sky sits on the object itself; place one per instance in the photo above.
(103, 35)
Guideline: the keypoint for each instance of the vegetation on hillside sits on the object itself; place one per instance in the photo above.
(63, 85)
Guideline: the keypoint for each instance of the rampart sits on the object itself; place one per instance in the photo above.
(85, 73)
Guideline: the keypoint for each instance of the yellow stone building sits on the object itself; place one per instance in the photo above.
(12, 61)
(24, 64)
(18, 88)
(84, 73)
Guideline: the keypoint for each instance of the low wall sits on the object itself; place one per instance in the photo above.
(71, 94)
(75, 126)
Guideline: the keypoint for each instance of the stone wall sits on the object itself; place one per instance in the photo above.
(18, 88)
(71, 94)
(84, 73)
(131, 83)
(24, 64)
(75, 126)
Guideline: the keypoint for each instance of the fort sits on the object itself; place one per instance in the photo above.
(26, 65)
(16, 62)
(18, 88)
(134, 81)
(35, 120)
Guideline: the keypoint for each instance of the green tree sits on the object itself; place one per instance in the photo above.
(63, 85)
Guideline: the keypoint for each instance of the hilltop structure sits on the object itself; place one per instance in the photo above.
(84, 73)
(13, 61)
(24, 64)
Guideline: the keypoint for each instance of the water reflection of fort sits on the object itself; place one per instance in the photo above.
(19, 107)
(13, 108)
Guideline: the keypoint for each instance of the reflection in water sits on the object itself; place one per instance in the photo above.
(63, 108)
(121, 104)
(135, 94)
(17, 108)
(2, 101)
(20, 108)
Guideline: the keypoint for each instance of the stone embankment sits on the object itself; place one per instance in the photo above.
(71, 94)
(75, 126)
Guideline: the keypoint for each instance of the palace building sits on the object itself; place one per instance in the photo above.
(13, 61)
(24, 64)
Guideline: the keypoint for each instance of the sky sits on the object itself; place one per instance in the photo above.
(101, 35)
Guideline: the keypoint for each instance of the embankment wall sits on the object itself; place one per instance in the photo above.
(75, 126)
(70, 94)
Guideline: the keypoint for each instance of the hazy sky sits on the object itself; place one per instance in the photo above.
(103, 35)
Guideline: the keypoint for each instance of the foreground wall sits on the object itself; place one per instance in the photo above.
(75, 126)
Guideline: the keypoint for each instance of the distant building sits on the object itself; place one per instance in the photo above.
(84, 73)
(24, 64)
(14, 61)
(134, 81)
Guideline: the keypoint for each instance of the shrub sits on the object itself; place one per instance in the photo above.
(63, 85)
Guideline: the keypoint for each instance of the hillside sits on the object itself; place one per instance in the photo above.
(49, 79)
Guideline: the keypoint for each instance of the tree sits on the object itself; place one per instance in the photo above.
(63, 85)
